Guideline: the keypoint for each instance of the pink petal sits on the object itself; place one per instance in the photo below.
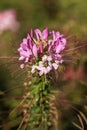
(58, 49)
(56, 35)
(38, 34)
(64, 41)
(45, 34)
(30, 44)
(24, 41)
(25, 53)
(24, 46)
(31, 33)
(34, 50)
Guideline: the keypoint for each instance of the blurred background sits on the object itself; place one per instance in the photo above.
(17, 17)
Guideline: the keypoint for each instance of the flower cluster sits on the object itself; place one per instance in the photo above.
(43, 50)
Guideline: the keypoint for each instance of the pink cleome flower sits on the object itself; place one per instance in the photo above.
(8, 20)
(43, 50)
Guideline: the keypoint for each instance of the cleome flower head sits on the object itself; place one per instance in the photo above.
(43, 50)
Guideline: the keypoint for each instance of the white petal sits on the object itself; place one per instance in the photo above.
(33, 69)
(57, 62)
(19, 49)
(44, 58)
(55, 65)
(40, 63)
(41, 72)
(49, 58)
(61, 61)
(50, 64)
(22, 66)
(21, 58)
(26, 60)
(48, 69)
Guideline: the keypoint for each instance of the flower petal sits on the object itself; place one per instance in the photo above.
(55, 65)
(38, 34)
(34, 49)
(44, 58)
(33, 69)
(49, 58)
(45, 34)
(22, 66)
(21, 58)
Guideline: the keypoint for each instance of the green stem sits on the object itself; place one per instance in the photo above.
(39, 100)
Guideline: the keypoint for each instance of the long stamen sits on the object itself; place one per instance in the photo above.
(9, 57)
(76, 48)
